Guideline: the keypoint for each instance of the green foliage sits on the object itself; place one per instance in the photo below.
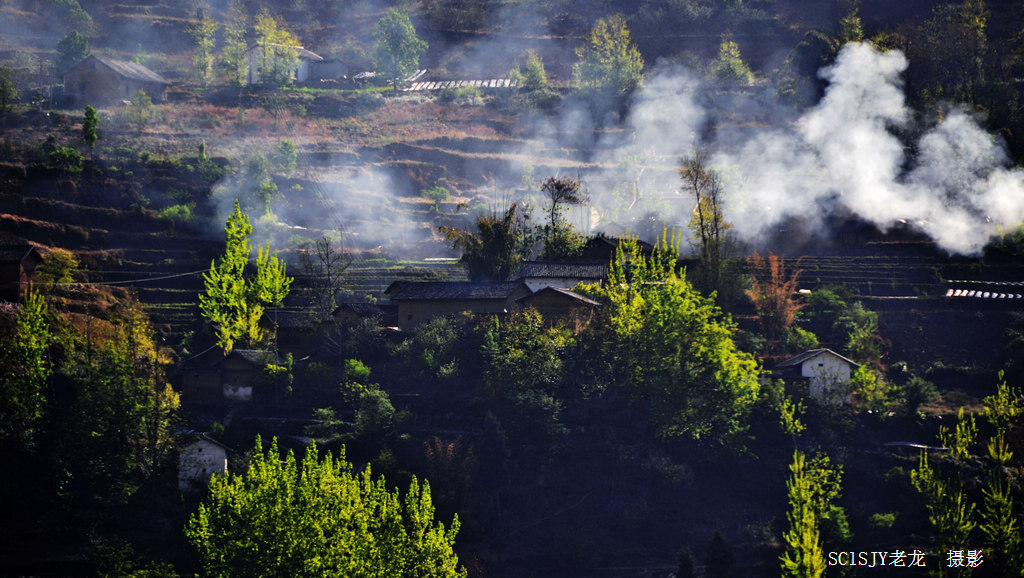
(673, 348)
(57, 271)
(318, 518)
(140, 109)
(708, 226)
(729, 69)
(66, 160)
(72, 13)
(498, 247)
(178, 214)
(608, 63)
(437, 195)
(398, 48)
(9, 92)
(523, 372)
(1003, 408)
(916, 391)
(434, 348)
(26, 369)
(286, 157)
(71, 49)
(804, 556)
(235, 44)
(790, 413)
(950, 511)
(561, 240)
(204, 33)
(90, 123)
(278, 50)
(461, 95)
(232, 302)
(871, 391)
(882, 520)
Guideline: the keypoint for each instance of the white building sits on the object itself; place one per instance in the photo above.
(259, 60)
(826, 373)
(199, 460)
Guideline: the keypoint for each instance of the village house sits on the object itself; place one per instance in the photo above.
(262, 62)
(98, 80)
(540, 274)
(556, 304)
(230, 380)
(420, 301)
(200, 459)
(349, 314)
(18, 265)
(821, 374)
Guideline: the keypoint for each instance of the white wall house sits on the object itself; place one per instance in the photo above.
(199, 460)
(298, 72)
(826, 372)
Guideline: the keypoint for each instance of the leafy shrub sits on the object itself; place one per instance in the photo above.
(66, 160)
(464, 95)
(178, 214)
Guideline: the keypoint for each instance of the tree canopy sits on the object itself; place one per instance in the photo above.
(609, 62)
(319, 518)
(398, 47)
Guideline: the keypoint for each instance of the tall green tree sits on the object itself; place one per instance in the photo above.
(25, 369)
(9, 92)
(204, 33)
(608, 63)
(318, 518)
(278, 51)
(90, 122)
(709, 227)
(140, 109)
(729, 68)
(71, 50)
(232, 301)
(398, 47)
(236, 46)
(804, 556)
(560, 238)
(673, 349)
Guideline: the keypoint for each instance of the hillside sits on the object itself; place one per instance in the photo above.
(885, 172)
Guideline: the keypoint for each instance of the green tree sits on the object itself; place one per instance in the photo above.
(710, 229)
(71, 50)
(204, 33)
(673, 349)
(804, 556)
(57, 270)
(318, 518)
(236, 48)
(140, 109)
(26, 369)
(437, 195)
(498, 247)
(398, 48)
(9, 92)
(608, 63)
(729, 68)
(232, 302)
(278, 51)
(286, 157)
(90, 122)
(560, 238)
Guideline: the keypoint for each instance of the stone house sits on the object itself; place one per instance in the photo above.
(200, 459)
(18, 265)
(822, 374)
(99, 81)
(420, 301)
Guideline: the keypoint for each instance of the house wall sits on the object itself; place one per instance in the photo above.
(413, 313)
(537, 283)
(828, 378)
(14, 280)
(201, 387)
(198, 461)
(93, 83)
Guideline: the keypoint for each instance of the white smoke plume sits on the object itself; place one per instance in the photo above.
(954, 183)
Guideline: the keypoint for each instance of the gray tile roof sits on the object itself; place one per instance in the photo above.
(130, 70)
(565, 292)
(442, 290)
(560, 269)
(800, 358)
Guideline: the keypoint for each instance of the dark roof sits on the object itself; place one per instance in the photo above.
(130, 70)
(289, 319)
(438, 290)
(361, 309)
(565, 292)
(571, 270)
(616, 241)
(196, 437)
(255, 356)
(18, 252)
(799, 359)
